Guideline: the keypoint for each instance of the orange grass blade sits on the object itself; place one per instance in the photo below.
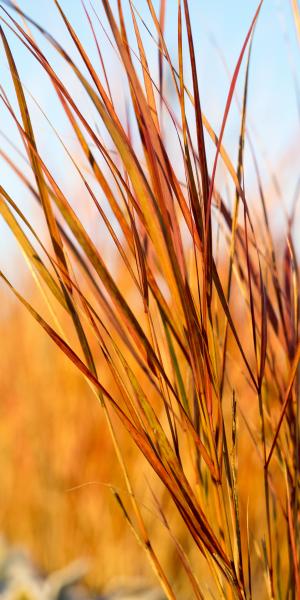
(296, 12)
(287, 398)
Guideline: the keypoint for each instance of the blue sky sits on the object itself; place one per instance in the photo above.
(272, 99)
(219, 28)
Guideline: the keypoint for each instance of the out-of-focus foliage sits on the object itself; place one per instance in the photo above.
(21, 580)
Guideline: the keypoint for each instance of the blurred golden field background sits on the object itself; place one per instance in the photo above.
(57, 461)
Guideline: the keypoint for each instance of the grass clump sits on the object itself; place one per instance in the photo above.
(199, 326)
